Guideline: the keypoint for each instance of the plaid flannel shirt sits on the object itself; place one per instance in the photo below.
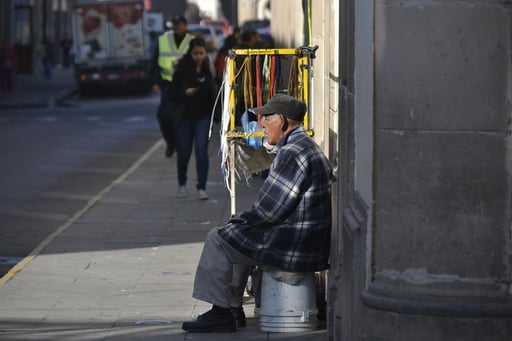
(289, 226)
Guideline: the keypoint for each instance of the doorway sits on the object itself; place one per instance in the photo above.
(23, 38)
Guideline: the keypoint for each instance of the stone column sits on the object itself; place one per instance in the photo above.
(430, 256)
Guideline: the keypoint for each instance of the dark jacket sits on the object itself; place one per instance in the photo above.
(185, 76)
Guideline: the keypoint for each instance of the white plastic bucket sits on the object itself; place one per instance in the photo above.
(288, 308)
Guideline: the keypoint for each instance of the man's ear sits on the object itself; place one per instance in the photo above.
(285, 123)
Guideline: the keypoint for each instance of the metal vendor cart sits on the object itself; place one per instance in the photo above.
(251, 78)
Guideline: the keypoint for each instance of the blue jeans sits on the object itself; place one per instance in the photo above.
(190, 133)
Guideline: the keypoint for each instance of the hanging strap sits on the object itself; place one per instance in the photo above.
(272, 75)
(259, 100)
(294, 76)
(248, 99)
(277, 74)
(266, 78)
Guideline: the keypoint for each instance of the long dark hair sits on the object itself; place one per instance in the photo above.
(187, 58)
(185, 72)
(198, 41)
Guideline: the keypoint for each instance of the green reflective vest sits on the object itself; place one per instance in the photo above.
(169, 53)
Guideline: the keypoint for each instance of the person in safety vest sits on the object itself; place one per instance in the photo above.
(171, 46)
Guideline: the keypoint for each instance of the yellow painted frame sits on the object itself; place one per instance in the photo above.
(304, 60)
(304, 63)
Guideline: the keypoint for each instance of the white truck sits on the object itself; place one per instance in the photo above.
(112, 43)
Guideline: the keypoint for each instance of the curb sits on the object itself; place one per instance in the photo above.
(41, 102)
(63, 95)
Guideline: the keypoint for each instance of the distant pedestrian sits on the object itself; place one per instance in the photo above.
(8, 66)
(221, 58)
(48, 57)
(248, 38)
(171, 46)
(65, 45)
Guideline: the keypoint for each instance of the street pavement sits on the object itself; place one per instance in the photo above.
(122, 268)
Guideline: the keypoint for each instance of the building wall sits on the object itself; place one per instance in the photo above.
(414, 113)
(6, 21)
(324, 84)
(24, 23)
(289, 12)
(259, 9)
(425, 229)
(327, 97)
(208, 8)
(247, 10)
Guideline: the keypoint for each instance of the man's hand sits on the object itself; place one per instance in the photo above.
(191, 91)
(156, 88)
(235, 219)
(268, 147)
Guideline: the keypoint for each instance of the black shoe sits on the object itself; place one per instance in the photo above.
(239, 315)
(209, 322)
(169, 152)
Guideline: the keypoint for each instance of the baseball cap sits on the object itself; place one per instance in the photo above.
(179, 19)
(285, 105)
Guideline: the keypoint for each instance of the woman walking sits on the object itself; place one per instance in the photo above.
(194, 87)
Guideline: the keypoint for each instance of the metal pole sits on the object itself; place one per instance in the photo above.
(232, 175)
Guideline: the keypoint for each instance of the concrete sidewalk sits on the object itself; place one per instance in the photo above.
(32, 91)
(122, 267)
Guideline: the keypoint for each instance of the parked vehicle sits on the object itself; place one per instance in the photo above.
(207, 32)
(221, 23)
(260, 26)
(112, 46)
(220, 38)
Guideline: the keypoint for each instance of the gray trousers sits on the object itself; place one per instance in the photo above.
(222, 273)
